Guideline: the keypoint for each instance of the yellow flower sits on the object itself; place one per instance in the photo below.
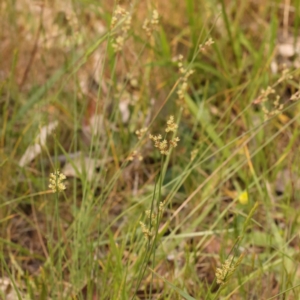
(171, 126)
(243, 198)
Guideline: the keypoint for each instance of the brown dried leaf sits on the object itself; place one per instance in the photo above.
(84, 165)
(34, 150)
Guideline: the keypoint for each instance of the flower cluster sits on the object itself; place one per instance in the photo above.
(122, 16)
(147, 233)
(150, 25)
(270, 101)
(134, 155)
(133, 81)
(171, 126)
(277, 108)
(140, 132)
(264, 97)
(208, 43)
(161, 206)
(185, 74)
(56, 182)
(119, 14)
(164, 145)
(227, 269)
(225, 272)
(285, 75)
(174, 142)
(295, 96)
(118, 43)
(153, 218)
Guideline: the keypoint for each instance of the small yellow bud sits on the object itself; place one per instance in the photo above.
(243, 198)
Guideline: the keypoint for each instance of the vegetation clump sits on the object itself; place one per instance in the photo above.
(150, 147)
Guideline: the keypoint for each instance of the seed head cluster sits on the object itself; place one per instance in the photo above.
(146, 231)
(276, 109)
(223, 274)
(141, 132)
(285, 75)
(164, 145)
(295, 96)
(151, 25)
(56, 182)
(185, 74)
(270, 101)
(153, 218)
(206, 45)
(161, 206)
(264, 97)
(123, 17)
(171, 126)
(227, 269)
(135, 155)
(183, 85)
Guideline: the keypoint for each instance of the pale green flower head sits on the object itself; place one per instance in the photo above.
(56, 182)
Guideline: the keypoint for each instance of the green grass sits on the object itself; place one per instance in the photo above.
(87, 241)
